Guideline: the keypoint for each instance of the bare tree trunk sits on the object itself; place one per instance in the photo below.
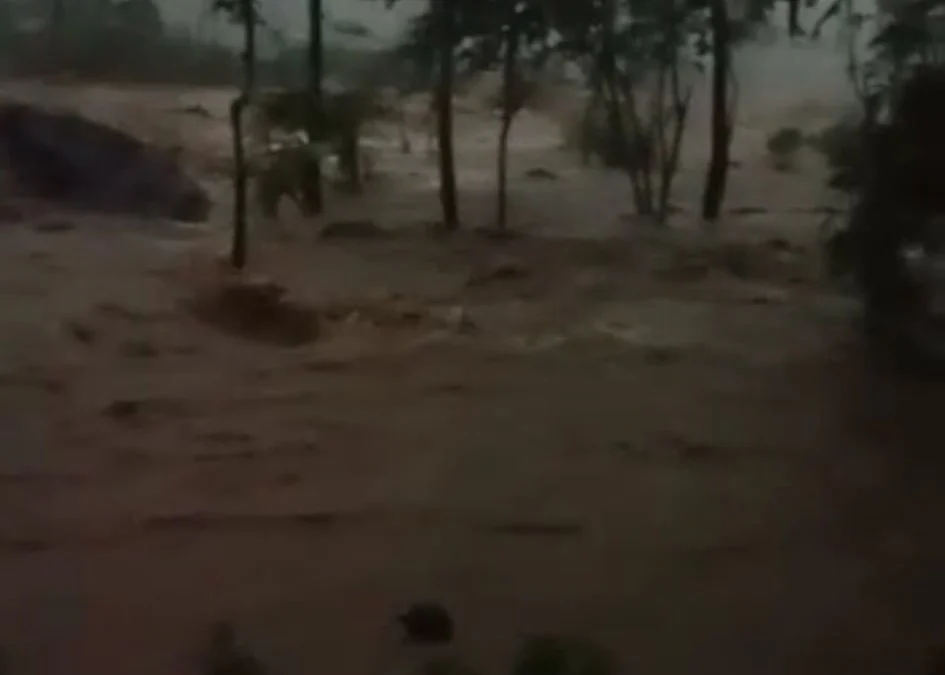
(312, 197)
(238, 243)
(510, 103)
(619, 99)
(445, 17)
(794, 20)
(717, 172)
(669, 164)
(238, 251)
(502, 194)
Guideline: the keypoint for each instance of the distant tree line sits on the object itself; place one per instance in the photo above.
(129, 40)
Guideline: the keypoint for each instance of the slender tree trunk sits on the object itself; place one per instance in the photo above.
(510, 103)
(312, 197)
(238, 243)
(238, 252)
(669, 165)
(502, 172)
(717, 171)
(794, 18)
(445, 16)
(618, 99)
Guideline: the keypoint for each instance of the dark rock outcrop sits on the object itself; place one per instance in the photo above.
(77, 163)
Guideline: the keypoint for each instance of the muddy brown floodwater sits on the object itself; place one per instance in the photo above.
(639, 441)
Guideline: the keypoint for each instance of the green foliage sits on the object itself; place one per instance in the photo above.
(909, 42)
(483, 28)
(636, 57)
(911, 37)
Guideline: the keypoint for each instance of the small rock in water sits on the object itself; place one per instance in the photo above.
(123, 408)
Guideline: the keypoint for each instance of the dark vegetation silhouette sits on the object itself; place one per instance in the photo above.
(81, 38)
(887, 159)
(311, 181)
(445, 21)
(722, 122)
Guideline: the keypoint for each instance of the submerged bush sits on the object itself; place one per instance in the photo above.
(843, 146)
(783, 146)
(590, 134)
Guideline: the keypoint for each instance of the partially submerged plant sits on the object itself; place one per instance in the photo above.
(783, 146)
(638, 80)
(592, 135)
(843, 148)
